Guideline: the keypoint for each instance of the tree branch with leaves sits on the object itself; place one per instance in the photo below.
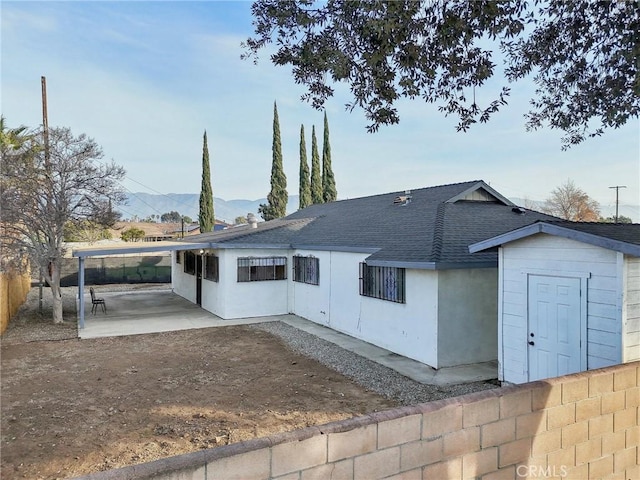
(41, 197)
(582, 56)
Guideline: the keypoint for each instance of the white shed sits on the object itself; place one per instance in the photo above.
(568, 298)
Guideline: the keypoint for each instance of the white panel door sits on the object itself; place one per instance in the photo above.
(554, 326)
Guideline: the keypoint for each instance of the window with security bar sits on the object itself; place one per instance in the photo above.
(211, 268)
(306, 270)
(258, 269)
(385, 283)
(190, 263)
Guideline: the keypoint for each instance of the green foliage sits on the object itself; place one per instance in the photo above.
(278, 196)
(132, 234)
(316, 175)
(13, 141)
(170, 217)
(304, 190)
(85, 231)
(581, 54)
(240, 220)
(329, 192)
(207, 215)
(612, 219)
(187, 219)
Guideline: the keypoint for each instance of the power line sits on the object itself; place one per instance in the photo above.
(149, 188)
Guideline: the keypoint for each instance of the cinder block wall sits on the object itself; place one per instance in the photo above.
(578, 426)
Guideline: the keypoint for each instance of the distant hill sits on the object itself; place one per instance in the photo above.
(144, 205)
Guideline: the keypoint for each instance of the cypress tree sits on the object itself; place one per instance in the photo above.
(278, 196)
(305, 183)
(316, 176)
(329, 192)
(207, 216)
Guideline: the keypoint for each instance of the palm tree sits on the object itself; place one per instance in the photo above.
(12, 140)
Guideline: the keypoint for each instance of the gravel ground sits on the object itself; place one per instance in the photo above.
(371, 375)
(27, 327)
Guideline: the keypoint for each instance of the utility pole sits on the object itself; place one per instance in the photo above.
(617, 187)
(45, 120)
(45, 138)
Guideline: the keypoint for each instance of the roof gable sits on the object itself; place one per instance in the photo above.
(480, 192)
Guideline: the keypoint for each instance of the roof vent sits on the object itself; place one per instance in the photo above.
(252, 220)
(403, 199)
(519, 210)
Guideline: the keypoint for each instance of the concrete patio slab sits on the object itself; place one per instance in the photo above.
(150, 311)
(161, 310)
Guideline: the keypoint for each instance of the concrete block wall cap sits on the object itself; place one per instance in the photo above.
(187, 461)
(294, 436)
(436, 405)
(340, 426)
(246, 446)
(396, 413)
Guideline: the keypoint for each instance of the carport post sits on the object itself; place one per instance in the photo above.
(81, 290)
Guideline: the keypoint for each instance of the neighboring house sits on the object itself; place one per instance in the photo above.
(194, 228)
(392, 269)
(569, 298)
(153, 232)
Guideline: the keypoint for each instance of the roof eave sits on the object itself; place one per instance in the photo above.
(557, 230)
(432, 265)
(334, 248)
(138, 248)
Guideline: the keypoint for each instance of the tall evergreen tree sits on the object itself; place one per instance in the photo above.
(329, 192)
(207, 216)
(316, 175)
(305, 182)
(278, 196)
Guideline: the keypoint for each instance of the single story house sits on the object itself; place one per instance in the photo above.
(393, 269)
(568, 298)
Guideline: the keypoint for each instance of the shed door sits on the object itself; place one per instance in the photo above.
(554, 326)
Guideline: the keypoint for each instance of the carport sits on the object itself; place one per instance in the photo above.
(122, 249)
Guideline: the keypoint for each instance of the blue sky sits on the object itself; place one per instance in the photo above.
(145, 79)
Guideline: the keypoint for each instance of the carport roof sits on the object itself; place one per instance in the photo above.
(124, 248)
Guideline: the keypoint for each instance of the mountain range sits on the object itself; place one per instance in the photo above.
(143, 205)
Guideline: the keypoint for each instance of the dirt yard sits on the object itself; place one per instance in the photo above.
(71, 407)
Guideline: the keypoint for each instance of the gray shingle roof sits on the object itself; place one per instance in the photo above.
(620, 237)
(623, 232)
(433, 230)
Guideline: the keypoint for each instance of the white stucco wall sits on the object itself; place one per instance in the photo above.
(213, 292)
(312, 301)
(549, 255)
(182, 283)
(467, 316)
(251, 299)
(631, 309)
(408, 329)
